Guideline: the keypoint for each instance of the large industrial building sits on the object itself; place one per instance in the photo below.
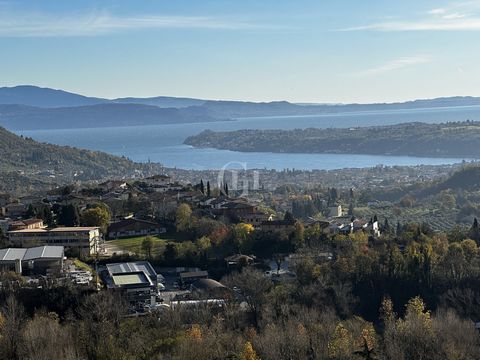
(40, 260)
(136, 281)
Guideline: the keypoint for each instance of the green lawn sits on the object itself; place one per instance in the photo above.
(134, 244)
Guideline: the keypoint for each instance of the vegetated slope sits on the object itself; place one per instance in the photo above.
(46, 163)
(466, 179)
(21, 117)
(459, 139)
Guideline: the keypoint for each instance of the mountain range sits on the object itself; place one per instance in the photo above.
(29, 107)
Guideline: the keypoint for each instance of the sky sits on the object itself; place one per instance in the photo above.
(321, 51)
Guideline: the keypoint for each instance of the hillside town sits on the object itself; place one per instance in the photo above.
(45, 235)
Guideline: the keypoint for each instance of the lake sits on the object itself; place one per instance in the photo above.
(164, 143)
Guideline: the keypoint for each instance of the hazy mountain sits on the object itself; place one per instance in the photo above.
(161, 101)
(50, 98)
(21, 117)
(30, 107)
(43, 97)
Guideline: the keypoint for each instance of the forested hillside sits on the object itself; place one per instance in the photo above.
(25, 159)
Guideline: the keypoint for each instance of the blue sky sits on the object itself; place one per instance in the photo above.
(262, 50)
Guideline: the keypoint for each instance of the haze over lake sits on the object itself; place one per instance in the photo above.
(164, 143)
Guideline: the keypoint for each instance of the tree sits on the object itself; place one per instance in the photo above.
(386, 227)
(69, 215)
(97, 216)
(183, 218)
(241, 233)
(254, 287)
(288, 216)
(30, 212)
(299, 234)
(208, 189)
(170, 252)
(350, 209)
(202, 186)
(248, 353)
(13, 317)
(474, 232)
(147, 245)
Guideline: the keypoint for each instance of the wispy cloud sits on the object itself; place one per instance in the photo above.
(100, 23)
(396, 64)
(458, 16)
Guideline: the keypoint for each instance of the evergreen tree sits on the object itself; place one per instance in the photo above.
(69, 215)
(474, 232)
(399, 228)
(202, 187)
(350, 209)
(208, 188)
(30, 212)
(288, 216)
(386, 226)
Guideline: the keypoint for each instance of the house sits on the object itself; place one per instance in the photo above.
(112, 185)
(278, 225)
(137, 282)
(30, 199)
(5, 199)
(256, 219)
(235, 208)
(13, 210)
(335, 211)
(158, 180)
(26, 224)
(39, 260)
(134, 227)
(240, 260)
(82, 239)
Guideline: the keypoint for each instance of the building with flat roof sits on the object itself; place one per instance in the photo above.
(82, 239)
(136, 281)
(36, 260)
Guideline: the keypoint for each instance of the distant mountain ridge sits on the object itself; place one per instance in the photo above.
(21, 117)
(52, 98)
(29, 107)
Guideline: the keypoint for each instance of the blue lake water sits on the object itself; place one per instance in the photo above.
(164, 143)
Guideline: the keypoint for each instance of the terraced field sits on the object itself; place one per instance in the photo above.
(437, 219)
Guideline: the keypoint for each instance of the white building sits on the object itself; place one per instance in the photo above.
(83, 239)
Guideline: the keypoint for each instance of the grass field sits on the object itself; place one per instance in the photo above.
(134, 244)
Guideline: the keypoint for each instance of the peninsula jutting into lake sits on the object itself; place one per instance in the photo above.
(454, 139)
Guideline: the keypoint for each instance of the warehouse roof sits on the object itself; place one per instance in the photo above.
(35, 253)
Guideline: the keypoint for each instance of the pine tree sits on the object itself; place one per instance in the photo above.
(386, 226)
(474, 232)
(350, 209)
